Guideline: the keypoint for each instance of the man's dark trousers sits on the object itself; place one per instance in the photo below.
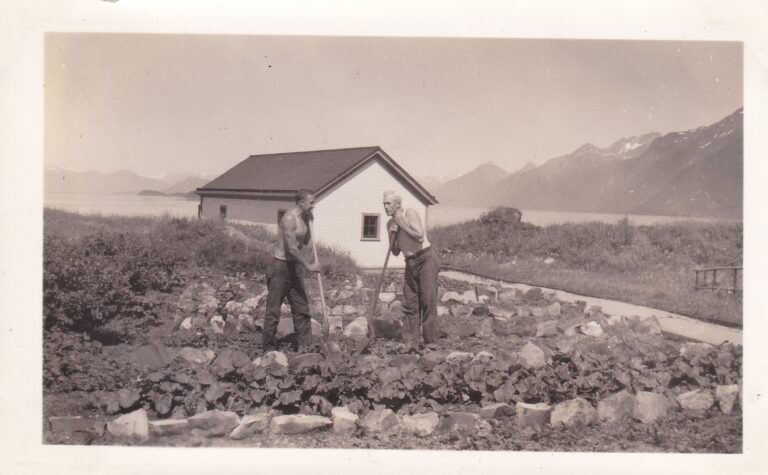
(284, 281)
(420, 298)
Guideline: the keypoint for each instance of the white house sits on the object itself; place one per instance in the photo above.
(348, 186)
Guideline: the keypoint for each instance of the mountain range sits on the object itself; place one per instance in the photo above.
(697, 172)
(68, 181)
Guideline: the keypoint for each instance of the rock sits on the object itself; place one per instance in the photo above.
(549, 261)
(379, 420)
(616, 407)
(349, 310)
(553, 310)
(163, 403)
(497, 410)
(508, 297)
(577, 412)
(71, 424)
(344, 420)
(448, 296)
(298, 424)
(251, 424)
(231, 325)
(644, 325)
(357, 329)
(390, 329)
(457, 357)
(275, 362)
(696, 402)
(217, 324)
(569, 311)
(483, 357)
(305, 360)
(165, 427)
(458, 311)
(152, 356)
(338, 310)
(433, 358)
(387, 297)
(421, 424)
(591, 329)
(284, 328)
(133, 426)
(485, 330)
(245, 322)
(695, 350)
(186, 324)
(128, 397)
(524, 311)
(532, 356)
(538, 312)
(545, 329)
(229, 360)
(234, 307)
(532, 415)
(460, 330)
(726, 397)
(463, 422)
(196, 356)
(216, 391)
(346, 294)
(215, 423)
(252, 303)
(649, 406)
(469, 297)
(335, 323)
(442, 311)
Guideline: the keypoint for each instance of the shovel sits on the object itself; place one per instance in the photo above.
(363, 344)
(330, 350)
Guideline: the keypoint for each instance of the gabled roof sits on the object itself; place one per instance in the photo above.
(317, 171)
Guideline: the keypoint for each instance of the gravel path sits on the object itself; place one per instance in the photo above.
(670, 322)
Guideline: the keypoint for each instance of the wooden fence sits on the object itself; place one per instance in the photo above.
(728, 278)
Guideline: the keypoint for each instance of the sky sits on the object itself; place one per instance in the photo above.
(160, 104)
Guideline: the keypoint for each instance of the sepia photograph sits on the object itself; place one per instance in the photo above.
(439, 245)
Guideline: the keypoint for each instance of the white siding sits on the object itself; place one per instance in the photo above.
(339, 215)
(257, 211)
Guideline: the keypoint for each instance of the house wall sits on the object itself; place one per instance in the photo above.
(257, 211)
(338, 214)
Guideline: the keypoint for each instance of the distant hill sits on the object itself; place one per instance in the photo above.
(68, 181)
(697, 172)
(470, 189)
(62, 180)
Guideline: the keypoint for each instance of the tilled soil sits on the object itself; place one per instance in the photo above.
(103, 380)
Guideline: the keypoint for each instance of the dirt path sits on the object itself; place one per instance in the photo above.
(670, 322)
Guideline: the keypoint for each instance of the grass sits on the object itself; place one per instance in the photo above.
(645, 265)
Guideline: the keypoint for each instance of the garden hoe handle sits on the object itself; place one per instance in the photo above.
(326, 326)
(375, 303)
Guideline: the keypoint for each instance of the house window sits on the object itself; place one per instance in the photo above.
(223, 211)
(370, 227)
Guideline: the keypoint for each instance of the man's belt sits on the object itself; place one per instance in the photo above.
(417, 254)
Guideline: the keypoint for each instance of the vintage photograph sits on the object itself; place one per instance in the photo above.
(361, 242)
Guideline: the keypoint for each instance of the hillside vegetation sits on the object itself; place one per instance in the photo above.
(645, 265)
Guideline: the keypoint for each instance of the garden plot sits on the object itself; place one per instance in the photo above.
(513, 371)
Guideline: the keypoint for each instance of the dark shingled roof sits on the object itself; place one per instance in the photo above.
(315, 171)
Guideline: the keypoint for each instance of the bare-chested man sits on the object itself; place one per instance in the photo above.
(284, 279)
(406, 235)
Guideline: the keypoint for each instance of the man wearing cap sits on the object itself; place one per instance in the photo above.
(406, 235)
(284, 278)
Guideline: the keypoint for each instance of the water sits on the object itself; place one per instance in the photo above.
(135, 205)
(441, 215)
(121, 204)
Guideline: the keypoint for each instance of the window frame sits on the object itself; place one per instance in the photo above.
(378, 227)
(222, 211)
